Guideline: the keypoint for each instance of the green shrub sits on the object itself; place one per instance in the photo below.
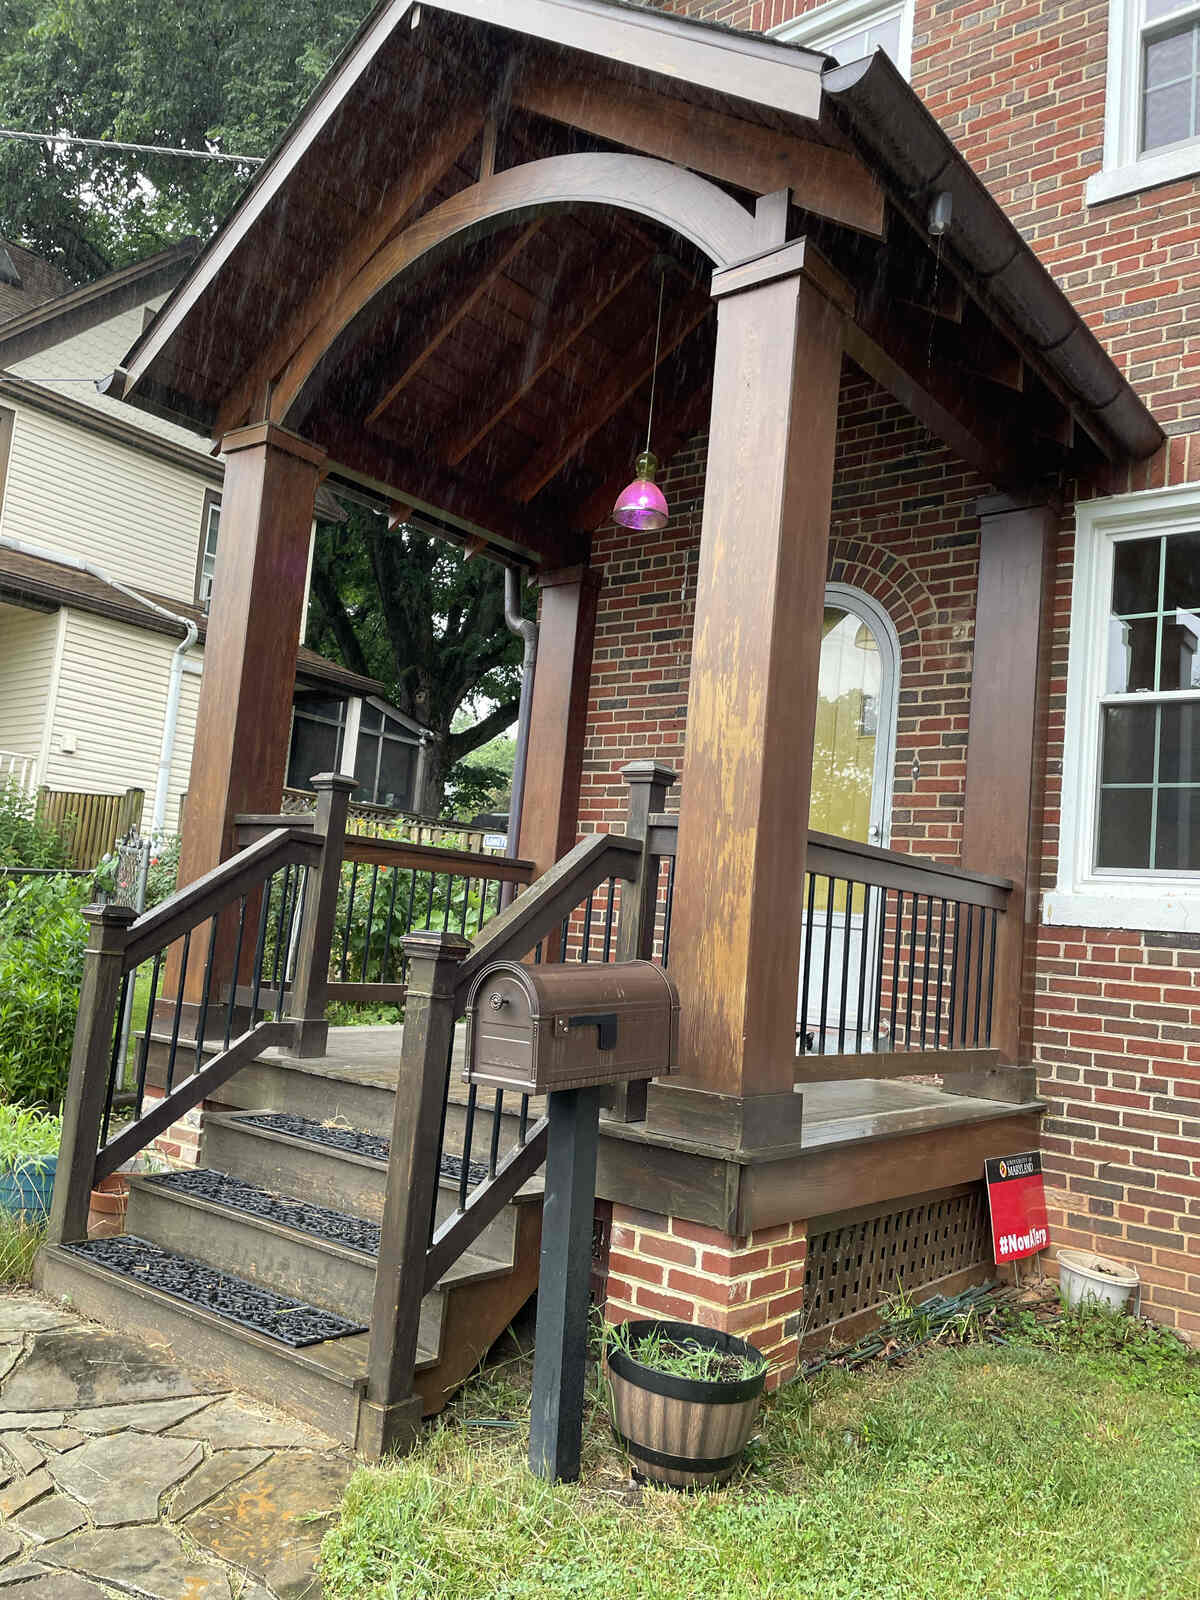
(26, 1134)
(27, 840)
(20, 1240)
(42, 939)
(164, 869)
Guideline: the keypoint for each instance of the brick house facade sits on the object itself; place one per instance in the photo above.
(1114, 1027)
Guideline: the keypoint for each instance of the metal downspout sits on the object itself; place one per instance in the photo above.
(175, 681)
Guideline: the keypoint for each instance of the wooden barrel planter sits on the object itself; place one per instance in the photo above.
(687, 1433)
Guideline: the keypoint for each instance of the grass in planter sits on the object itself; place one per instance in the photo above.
(682, 1358)
(975, 1471)
(20, 1240)
(26, 1134)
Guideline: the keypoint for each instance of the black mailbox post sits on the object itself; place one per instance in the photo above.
(568, 1031)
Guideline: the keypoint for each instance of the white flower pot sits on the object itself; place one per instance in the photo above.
(1084, 1276)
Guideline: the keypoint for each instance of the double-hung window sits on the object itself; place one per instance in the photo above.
(206, 566)
(1129, 849)
(1152, 97)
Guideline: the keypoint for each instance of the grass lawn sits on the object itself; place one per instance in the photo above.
(1063, 1466)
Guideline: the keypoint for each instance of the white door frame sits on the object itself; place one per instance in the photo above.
(883, 631)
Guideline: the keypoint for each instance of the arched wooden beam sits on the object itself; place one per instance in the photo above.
(691, 206)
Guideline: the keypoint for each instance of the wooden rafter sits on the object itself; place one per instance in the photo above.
(570, 312)
(457, 308)
(247, 400)
(609, 395)
(831, 183)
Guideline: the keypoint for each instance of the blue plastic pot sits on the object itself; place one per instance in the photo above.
(27, 1187)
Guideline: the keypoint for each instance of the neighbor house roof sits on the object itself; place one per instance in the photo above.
(48, 585)
(26, 281)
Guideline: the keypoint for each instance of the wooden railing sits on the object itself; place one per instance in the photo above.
(371, 820)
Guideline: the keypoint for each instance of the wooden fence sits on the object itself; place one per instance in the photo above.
(92, 822)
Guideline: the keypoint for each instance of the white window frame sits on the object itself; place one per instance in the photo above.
(1126, 170)
(1085, 896)
(824, 26)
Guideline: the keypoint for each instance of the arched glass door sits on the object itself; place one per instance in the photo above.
(854, 749)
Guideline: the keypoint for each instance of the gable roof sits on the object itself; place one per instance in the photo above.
(37, 281)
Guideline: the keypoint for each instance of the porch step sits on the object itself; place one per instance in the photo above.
(281, 1243)
(320, 1383)
(297, 1162)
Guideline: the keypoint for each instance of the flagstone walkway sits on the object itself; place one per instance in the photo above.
(120, 1474)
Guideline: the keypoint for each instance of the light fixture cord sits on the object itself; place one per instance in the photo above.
(662, 279)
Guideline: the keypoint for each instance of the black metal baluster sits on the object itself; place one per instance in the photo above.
(449, 902)
(466, 908)
(429, 907)
(523, 1129)
(954, 978)
(259, 946)
(494, 1146)
(826, 959)
(344, 966)
(386, 954)
(807, 966)
(991, 992)
(608, 919)
(402, 975)
(862, 966)
(562, 937)
(896, 966)
(278, 965)
(925, 969)
(586, 947)
(879, 959)
(912, 971)
(966, 994)
(666, 938)
(440, 1147)
(183, 966)
(114, 1061)
(941, 974)
(464, 1182)
(845, 968)
(370, 921)
(144, 1053)
(979, 972)
(202, 1023)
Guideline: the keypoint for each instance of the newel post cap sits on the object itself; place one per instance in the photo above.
(649, 772)
(334, 780)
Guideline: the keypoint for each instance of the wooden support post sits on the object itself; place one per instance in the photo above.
(739, 911)
(558, 718)
(91, 1061)
(1009, 689)
(648, 785)
(390, 1415)
(560, 1352)
(311, 980)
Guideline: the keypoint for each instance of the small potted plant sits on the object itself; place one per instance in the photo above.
(29, 1142)
(684, 1399)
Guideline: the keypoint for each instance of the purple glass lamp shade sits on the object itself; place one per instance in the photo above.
(641, 504)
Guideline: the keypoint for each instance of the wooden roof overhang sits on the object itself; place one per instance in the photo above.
(447, 275)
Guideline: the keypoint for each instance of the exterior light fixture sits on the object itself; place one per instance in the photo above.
(641, 505)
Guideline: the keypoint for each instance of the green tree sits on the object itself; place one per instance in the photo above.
(416, 613)
(229, 75)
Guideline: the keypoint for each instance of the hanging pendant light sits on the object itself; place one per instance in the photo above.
(641, 505)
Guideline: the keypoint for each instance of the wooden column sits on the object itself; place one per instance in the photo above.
(1006, 741)
(243, 724)
(558, 720)
(738, 913)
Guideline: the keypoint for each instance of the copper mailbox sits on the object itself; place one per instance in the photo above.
(570, 1025)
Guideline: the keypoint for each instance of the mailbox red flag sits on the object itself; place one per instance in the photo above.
(1017, 1201)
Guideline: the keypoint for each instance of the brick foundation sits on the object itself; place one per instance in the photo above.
(181, 1141)
(752, 1287)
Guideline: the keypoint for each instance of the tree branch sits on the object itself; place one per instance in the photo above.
(339, 619)
(500, 720)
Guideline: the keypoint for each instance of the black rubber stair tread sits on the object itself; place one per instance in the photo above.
(222, 1190)
(275, 1316)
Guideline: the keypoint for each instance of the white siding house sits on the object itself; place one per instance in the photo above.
(97, 501)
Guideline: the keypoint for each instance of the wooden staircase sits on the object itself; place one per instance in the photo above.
(461, 1317)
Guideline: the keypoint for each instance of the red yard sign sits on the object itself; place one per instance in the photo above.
(1018, 1206)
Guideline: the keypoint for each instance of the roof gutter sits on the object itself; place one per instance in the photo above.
(888, 119)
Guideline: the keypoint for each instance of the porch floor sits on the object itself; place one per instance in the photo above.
(835, 1112)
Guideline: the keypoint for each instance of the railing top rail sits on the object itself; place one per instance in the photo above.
(896, 869)
(435, 858)
(532, 916)
(208, 895)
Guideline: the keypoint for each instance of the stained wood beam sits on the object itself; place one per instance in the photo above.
(460, 307)
(550, 341)
(249, 397)
(610, 395)
(830, 183)
(472, 508)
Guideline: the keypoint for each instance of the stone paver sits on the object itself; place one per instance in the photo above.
(131, 1475)
(87, 1366)
(122, 1478)
(217, 1473)
(147, 1416)
(148, 1561)
(52, 1517)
